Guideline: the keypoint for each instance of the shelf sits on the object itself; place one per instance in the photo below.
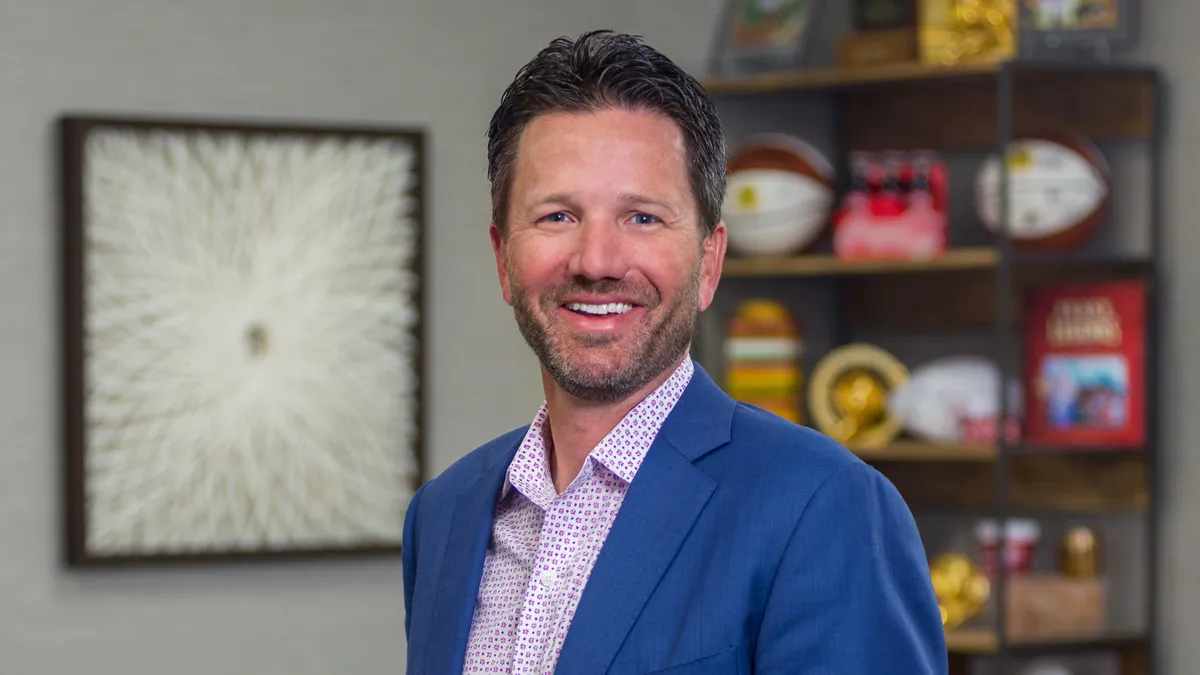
(981, 641)
(822, 79)
(918, 451)
(821, 265)
(922, 451)
(833, 78)
(1105, 102)
(965, 258)
(936, 478)
(971, 641)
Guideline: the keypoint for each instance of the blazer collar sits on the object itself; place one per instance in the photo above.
(462, 564)
(659, 510)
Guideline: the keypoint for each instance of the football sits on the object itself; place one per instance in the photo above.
(941, 394)
(1060, 186)
(780, 196)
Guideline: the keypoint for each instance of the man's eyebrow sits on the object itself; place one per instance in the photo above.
(636, 198)
(627, 198)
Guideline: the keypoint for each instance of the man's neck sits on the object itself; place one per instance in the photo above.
(576, 427)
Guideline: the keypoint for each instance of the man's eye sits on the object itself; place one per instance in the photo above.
(645, 219)
(556, 217)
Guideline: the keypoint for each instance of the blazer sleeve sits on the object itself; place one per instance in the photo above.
(408, 558)
(853, 594)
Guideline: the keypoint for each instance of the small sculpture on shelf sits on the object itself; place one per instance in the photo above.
(953, 32)
(896, 208)
(762, 358)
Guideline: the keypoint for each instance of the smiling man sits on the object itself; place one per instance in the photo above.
(644, 522)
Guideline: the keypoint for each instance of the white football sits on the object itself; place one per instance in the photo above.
(1058, 190)
(779, 198)
(938, 394)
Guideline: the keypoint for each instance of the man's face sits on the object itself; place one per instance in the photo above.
(604, 261)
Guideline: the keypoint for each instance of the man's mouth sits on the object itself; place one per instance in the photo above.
(588, 309)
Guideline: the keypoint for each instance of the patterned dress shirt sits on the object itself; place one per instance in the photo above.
(543, 544)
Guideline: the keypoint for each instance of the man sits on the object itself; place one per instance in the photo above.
(645, 522)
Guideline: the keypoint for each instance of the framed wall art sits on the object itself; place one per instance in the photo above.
(1077, 29)
(242, 337)
(763, 35)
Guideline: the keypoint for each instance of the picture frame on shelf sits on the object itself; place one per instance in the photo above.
(755, 36)
(1080, 30)
(242, 337)
(884, 15)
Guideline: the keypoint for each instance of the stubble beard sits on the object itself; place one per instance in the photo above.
(655, 347)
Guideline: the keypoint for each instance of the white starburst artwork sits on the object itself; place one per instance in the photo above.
(249, 340)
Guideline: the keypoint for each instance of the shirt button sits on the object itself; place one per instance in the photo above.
(549, 578)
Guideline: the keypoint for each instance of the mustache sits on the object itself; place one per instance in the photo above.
(642, 295)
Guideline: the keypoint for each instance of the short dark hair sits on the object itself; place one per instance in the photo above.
(606, 69)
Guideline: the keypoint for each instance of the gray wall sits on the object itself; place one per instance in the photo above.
(398, 61)
(1169, 38)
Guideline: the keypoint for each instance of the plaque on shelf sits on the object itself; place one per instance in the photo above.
(1077, 30)
(764, 35)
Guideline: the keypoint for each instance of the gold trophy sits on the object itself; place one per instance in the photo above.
(966, 31)
(848, 395)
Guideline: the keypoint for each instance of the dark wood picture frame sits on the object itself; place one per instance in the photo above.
(1078, 43)
(73, 133)
(729, 59)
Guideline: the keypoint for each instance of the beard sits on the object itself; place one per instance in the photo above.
(652, 347)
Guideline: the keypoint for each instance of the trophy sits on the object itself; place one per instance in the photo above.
(848, 395)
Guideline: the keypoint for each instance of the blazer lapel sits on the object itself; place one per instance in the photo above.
(664, 500)
(462, 568)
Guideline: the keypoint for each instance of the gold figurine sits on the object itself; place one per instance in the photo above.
(967, 31)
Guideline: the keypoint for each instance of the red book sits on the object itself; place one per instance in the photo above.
(1085, 365)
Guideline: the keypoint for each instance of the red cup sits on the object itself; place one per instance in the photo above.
(1021, 537)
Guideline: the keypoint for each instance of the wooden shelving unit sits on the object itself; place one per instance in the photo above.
(974, 287)
(834, 78)
(972, 258)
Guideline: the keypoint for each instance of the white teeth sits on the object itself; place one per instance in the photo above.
(600, 310)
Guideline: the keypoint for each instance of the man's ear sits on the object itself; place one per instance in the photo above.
(712, 260)
(499, 244)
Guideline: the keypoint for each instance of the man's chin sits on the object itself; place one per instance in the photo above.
(595, 362)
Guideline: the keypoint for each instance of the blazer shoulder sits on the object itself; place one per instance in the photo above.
(797, 454)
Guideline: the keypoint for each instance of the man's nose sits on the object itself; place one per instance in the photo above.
(601, 252)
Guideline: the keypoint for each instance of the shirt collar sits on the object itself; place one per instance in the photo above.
(621, 451)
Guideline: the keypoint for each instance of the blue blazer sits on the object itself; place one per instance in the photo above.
(745, 544)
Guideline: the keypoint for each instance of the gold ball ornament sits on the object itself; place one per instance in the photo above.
(961, 588)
